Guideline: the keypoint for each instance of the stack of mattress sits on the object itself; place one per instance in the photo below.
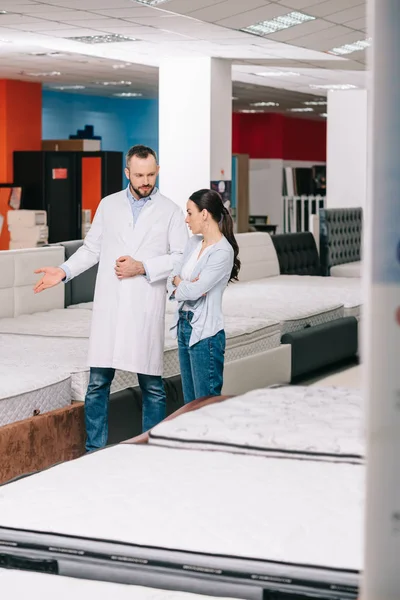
(58, 339)
(28, 228)
(265, 516)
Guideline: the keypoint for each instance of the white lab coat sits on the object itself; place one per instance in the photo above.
(127, 330)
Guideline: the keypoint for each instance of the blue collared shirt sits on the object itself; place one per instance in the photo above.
(137, 205)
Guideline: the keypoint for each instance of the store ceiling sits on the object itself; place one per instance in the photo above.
(38, 42)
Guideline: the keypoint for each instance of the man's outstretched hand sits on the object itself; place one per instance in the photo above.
(126, 266)
(52, 276)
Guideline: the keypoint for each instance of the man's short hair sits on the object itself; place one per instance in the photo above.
(140, 151)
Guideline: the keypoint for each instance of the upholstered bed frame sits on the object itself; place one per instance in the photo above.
(297, 254)
(18, 279)
(81, 288)
(340, 237)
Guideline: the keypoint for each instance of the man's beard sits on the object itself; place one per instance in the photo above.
(142, 193)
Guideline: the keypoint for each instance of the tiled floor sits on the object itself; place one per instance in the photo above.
(348, 376)
(351, 377)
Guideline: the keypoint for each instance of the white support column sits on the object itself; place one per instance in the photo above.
(382, 383)
(346, 169)
(195, 125)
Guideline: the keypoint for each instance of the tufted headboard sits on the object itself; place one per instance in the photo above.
(340, 236)
(257, 255)
(81, 288)
(297, 253)
(18, 279)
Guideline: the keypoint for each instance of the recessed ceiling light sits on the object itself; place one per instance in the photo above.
(334, 86)
(324, 115)
(44, 74)
(121, 66)
(277, 74)
(279, 23)
(234, 98)
(128, 95)
(247, 110)
(264, 104)
(112, 38)
(300, 110)
(316, 103)
(113, 83)
(67, 87)
(151, 2)
(350, 48)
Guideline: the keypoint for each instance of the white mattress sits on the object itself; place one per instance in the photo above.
(26, 390)
(219, 504)
(334, 289)
(59, 339)
(294, 310)
(314, 423)
(39, 586)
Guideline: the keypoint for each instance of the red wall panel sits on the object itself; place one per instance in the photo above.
(270, 135)
(20, 129)
(304, 139)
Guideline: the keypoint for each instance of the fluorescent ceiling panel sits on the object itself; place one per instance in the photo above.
(151, 2)
(277, 74)
(334, 86)
(112, 38)
(112, 82)
(45, 74)
(262, 104)
(67, 87)
(279, 23)
(316, 103)
(128, 95)
(350, 48)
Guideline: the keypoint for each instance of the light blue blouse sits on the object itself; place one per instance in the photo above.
(203, 297)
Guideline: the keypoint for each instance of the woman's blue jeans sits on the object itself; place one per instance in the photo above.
(202, 365)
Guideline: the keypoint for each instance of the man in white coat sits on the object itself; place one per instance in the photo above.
(136, 236)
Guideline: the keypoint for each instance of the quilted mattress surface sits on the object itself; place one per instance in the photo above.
(294, 311)
(219, 504)
(314, 423)
(26, 390)
(334, 289)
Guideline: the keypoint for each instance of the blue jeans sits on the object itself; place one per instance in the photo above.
(96, 404)
(202, 365)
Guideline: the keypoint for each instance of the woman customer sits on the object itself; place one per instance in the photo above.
(209, 262)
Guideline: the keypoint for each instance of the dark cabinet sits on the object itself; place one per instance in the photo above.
(54, 182)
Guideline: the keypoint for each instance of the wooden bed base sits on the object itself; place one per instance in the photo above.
(39, 442)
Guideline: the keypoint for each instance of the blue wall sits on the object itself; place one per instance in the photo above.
(121, 122)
